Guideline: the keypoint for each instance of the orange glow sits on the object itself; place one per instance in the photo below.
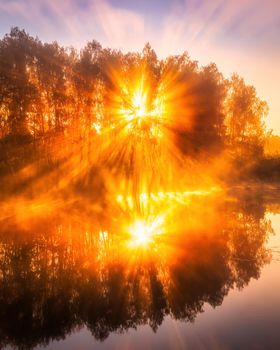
(139, 104)
(141, 111)
(143, 232)
(115, 197)
(128, 161)
(139, 141)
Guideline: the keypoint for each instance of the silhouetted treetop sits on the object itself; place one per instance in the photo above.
(46, 88)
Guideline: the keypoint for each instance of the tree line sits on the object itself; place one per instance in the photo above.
(49, 93)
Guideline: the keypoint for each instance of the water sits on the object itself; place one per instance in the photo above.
(209, 280)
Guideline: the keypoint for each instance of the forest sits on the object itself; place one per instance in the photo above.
(104, 109)
(133, 189)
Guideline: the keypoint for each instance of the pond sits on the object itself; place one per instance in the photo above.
(196, 270)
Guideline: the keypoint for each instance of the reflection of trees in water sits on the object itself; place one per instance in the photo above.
(54, 281)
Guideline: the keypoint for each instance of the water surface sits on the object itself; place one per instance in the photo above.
(207, 276)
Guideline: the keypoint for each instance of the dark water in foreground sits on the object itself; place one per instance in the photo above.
(207, 278)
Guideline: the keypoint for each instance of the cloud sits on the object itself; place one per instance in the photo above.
(239, 36)
(74, 22)
(121, 26)
(188, 23)
(234, 23)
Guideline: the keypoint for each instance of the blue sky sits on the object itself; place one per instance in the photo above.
(238, 35)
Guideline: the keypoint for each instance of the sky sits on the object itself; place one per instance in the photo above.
(240, 36)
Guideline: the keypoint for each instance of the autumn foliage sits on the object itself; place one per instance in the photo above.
(52, 98)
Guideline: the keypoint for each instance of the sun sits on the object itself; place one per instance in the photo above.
(143, 232)
(139, 101)
(136, 106)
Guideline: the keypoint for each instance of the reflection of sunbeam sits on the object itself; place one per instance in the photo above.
(170, 197)
(143, 232)
(135, 271)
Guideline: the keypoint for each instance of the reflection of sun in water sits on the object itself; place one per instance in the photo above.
(143, 232)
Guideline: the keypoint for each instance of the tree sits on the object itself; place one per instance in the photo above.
(245, 113)
(17, 93)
